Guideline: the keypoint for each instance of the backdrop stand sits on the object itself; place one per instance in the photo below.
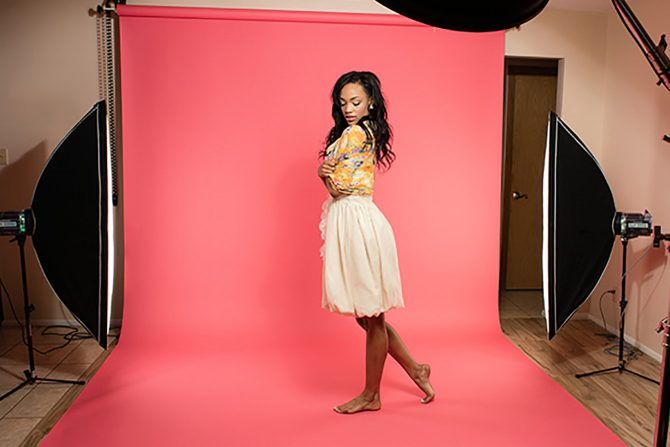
(31, 377)
(621, 367)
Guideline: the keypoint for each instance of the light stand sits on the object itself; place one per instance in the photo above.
(621, 367)
(31, 377)
(663, 408)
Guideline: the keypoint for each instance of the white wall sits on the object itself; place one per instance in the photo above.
(578, 39)
(609, 97)
(48, 80)
(637, 163)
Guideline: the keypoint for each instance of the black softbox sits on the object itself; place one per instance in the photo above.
(578, 220)
(475, 15)
(70, 206)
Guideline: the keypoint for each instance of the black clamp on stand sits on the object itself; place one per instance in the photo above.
(658, 236)
(31, 377)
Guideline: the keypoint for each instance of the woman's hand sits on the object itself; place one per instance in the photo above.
(334, 191)
(326, 168)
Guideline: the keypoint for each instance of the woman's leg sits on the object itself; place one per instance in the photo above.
(419, 373)
(376, 348)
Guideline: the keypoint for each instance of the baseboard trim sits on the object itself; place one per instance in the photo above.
(646, 349)
(12, 323)
(580, 316)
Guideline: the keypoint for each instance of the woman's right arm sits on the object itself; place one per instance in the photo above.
(354, 172)
(325, 174)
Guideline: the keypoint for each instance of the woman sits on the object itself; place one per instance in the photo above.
(360, 266)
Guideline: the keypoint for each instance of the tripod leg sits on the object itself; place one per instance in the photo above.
(71, 382)
(14, 390)
(641, 376)
(622, 312)
(600, 371)
(31, 378)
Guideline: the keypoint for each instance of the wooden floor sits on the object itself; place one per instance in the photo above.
(625, 403)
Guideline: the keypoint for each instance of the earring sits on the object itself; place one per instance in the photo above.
(371, 107)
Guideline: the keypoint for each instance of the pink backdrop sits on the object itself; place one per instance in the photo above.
(223, 120)
(224, 341)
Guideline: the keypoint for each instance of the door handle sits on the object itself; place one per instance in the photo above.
(517, 195)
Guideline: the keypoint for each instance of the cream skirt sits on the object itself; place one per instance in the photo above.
(360, 263)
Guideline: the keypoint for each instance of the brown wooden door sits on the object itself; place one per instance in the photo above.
(530, 95)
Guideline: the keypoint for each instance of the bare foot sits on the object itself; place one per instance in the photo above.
(359, 403)
(422, 379)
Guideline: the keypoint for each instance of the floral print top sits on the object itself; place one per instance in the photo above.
(354, 172)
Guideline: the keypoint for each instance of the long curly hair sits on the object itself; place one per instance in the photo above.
(376, 117)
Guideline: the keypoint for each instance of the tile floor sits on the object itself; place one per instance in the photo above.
(24, 410)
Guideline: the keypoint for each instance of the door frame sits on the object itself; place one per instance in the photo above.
(519, 65)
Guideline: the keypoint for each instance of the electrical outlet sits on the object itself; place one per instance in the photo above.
(4, 157)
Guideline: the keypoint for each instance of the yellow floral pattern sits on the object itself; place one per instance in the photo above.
(354, 172)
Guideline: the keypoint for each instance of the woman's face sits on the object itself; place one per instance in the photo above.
(354, 102)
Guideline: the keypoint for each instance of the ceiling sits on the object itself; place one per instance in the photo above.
(347, 5)
(582, 5)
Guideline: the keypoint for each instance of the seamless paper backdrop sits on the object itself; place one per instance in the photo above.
(223, 120)
(224, 341)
